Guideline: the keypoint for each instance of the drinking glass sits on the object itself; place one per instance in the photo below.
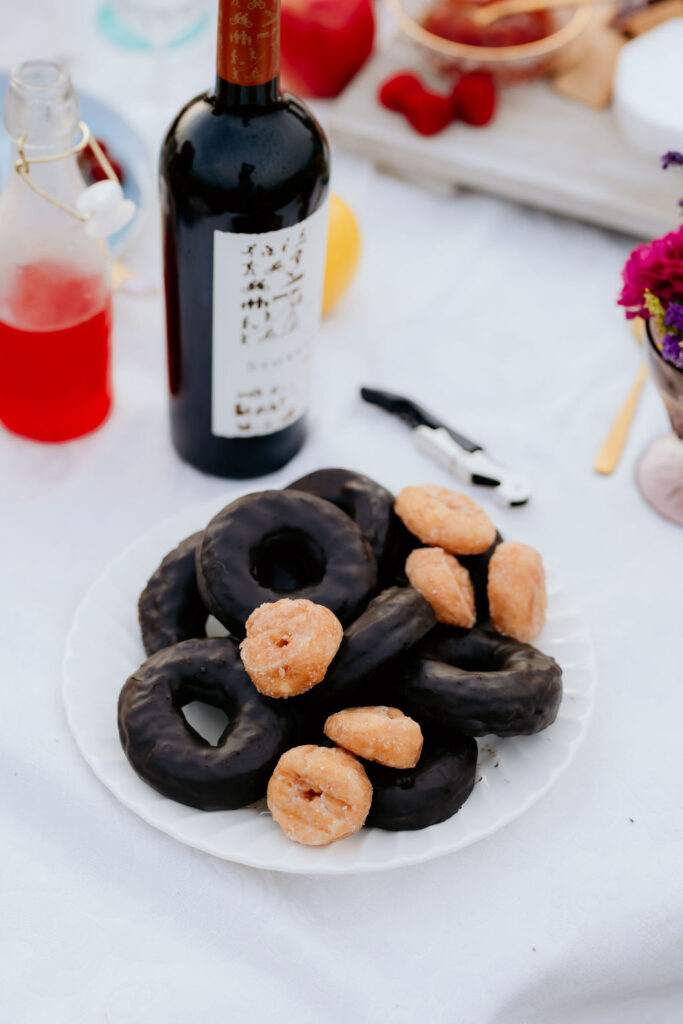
(660, 471)
(153, 24)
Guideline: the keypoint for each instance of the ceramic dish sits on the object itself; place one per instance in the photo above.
(104, 647)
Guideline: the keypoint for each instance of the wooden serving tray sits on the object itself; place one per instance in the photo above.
(542, 150)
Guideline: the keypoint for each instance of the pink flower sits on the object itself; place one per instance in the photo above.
(656, 267)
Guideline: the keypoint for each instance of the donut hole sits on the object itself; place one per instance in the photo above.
(208, 721)
(493, 661)
(480, 654)
(287, 560)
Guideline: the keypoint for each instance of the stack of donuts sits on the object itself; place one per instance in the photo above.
(370, 640)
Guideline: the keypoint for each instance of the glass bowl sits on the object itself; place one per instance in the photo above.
(508, 64)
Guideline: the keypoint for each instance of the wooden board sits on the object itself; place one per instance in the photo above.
(543, 150)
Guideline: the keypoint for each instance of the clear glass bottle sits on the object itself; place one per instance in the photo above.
(55, 293)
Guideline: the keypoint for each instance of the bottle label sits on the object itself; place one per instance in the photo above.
(248, 41)
(267, 303)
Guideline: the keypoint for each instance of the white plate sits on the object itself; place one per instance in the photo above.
(104, 648)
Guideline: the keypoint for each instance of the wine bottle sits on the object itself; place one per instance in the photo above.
(244, 180)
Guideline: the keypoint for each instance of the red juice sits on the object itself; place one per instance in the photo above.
(55, 353)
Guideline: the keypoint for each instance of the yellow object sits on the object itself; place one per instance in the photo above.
(343, 252)
(120, 273)
(610, 453)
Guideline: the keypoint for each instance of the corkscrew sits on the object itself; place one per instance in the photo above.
(459, 454)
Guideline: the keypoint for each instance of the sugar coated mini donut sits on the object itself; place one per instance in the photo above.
(378, 733)
(431, 792)
(170, 608)
(289, 646)
(390, 625)
(445, 583)
(319, 794)
(276, 544)
(516, 590)
(477, 682)
(446, 519)
(365, 501)
(167, 752)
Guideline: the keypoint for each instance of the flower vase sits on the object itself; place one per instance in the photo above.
(659, 473)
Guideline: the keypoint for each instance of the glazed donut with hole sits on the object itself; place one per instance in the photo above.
(277, 544)
(171, 756)
(370, 505)
(170, 608)
(478, 682)
(390, 626)
(432, 791)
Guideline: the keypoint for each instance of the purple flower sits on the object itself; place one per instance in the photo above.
(672, 350)
(672, 159)
(674, 316)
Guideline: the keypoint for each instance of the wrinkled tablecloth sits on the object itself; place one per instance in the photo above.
(503, 321)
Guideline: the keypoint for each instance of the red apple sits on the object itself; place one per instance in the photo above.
(324, 43)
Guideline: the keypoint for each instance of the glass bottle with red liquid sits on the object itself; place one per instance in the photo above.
(55, 294)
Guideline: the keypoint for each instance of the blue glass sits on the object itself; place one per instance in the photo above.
(117, 31)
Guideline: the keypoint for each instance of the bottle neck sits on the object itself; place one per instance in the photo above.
(248, 55)
(229, 95)
(41, 115)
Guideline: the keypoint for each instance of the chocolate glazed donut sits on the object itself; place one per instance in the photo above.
(370, 505)
(478, 568)
(478, 682)
(277, 544)
(171, 756)
(432, 791)
(170, 608)
(391, 624)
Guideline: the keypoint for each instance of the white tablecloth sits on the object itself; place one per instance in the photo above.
(503, 321)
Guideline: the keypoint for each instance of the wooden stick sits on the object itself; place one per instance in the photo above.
(610, 453)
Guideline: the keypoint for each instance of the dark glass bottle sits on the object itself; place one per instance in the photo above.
(244, 181)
